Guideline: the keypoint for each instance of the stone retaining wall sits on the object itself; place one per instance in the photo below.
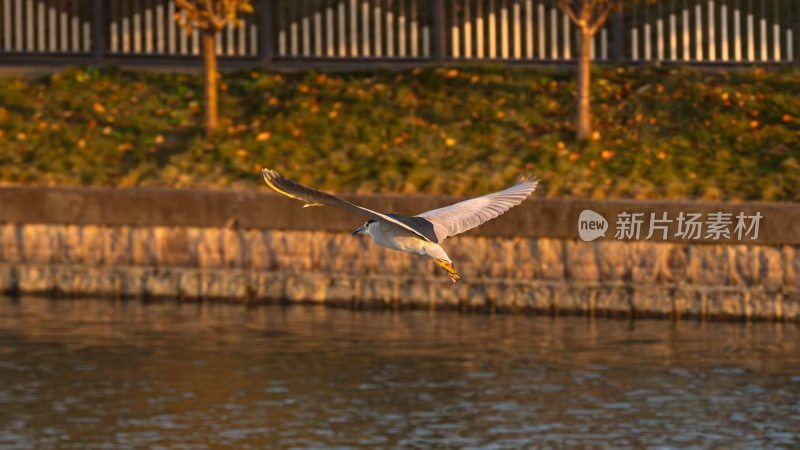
(663, 279)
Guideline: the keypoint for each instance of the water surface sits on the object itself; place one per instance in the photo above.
(106, 374)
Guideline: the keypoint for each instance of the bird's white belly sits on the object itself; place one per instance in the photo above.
(408, 242)
(396, 241)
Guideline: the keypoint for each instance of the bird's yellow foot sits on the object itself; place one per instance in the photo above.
(448, 266)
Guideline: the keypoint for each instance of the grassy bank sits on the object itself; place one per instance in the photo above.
(662, 133)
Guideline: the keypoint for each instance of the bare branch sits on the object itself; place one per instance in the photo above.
(187, 6)
(213, 15)
(601, 18)
(566, 7)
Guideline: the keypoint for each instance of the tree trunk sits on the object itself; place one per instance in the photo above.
(210, 78)
(584, 128)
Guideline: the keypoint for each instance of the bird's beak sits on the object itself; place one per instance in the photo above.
(360, 230)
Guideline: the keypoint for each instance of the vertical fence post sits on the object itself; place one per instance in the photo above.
(795, 28)
(618, 33)
(99, 16)
(439, 31)
(265, 29)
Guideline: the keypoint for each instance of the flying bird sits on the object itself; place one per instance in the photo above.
(420, 234)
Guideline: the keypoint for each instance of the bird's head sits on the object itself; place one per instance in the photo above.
(364, 229)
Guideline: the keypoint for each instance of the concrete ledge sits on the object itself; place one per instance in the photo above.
(536, 218)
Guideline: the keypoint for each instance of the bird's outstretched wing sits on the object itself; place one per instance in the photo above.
(313, 197)
(460, 217)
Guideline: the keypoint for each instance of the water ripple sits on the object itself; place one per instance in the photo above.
(104, 374)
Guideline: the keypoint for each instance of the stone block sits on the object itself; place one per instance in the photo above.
(144, 249)
(175, 247)
(36, 244)
(710, 265)
(613, 260)
(771, 267)
(209, 249)
(581, 262)
(550, 256)
(259, 251)
(743, 265)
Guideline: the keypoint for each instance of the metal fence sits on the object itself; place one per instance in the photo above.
(309, 31)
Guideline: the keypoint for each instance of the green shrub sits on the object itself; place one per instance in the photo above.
(663, 132)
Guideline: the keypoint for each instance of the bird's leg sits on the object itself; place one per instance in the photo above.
(448, 266)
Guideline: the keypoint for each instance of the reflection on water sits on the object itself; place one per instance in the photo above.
(127, 374)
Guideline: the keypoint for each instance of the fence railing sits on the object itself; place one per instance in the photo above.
(305, 31)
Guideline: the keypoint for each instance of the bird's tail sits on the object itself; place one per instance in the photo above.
(448, 267)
